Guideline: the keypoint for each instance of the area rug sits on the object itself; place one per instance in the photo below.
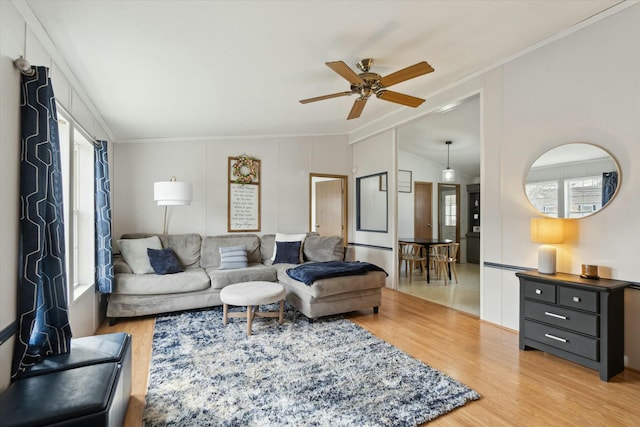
(327, 373)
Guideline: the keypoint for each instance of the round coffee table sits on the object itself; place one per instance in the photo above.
(252, 294)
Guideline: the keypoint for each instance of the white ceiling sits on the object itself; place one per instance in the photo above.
(425, 137)
(203, 69)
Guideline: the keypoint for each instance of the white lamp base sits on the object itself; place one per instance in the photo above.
(547, 259)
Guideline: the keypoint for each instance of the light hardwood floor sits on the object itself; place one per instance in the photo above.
(464, 295)
(518, 388)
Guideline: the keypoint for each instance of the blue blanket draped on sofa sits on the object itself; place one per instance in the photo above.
(310, 272)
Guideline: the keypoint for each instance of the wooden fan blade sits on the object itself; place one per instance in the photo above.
(320, 98)
(406, 73)
(357, 108)
(346, 72)
(400, 98)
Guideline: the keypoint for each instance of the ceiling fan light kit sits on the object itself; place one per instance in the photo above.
(368, 83)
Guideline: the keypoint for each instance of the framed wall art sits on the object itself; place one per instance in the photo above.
(243, 208)
(404, 181)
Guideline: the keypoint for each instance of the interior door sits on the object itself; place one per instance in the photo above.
(329, 213)
(423, 211)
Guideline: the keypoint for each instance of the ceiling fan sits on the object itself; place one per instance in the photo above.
(367, 83)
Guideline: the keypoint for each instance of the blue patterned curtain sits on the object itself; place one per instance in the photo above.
(43, 321)
(104, 263)
(609, 185)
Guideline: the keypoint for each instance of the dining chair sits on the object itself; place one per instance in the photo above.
(413, 256)
(401, 260)
(445, 257)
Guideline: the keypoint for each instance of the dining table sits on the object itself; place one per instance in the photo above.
(426, 243)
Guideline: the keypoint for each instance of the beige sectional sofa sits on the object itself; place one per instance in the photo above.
(200, 282)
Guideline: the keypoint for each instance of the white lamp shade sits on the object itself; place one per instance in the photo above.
(448, 175)
(547, 230)
(172, 193)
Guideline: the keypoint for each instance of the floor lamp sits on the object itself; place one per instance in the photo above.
(171, 193)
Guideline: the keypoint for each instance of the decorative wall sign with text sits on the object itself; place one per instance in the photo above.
(243, 212)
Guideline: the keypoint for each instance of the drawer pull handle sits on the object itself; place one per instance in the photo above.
(557, 316)
(538, 291)
(553, 337)
(576, 299)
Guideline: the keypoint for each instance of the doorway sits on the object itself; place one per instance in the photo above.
(328, 205)
(422, 149)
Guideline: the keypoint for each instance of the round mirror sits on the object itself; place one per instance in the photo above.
(572, 181)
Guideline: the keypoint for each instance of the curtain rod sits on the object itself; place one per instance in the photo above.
(25, 68)
(92, 140)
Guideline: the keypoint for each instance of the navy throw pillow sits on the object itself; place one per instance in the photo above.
(287, 253)
(164, 261)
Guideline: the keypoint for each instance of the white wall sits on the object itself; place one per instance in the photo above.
(591, 95)
(581, 88)
(422, 170)
(13, 44)
(285, 165)
(370, 156)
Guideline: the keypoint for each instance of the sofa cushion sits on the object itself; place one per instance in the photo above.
(210, 254)
(255, 272)
(287, 253)
(320, 249)
(191, 279)
(232, 257)
(187, 248)
(134, 252)
(164, 261)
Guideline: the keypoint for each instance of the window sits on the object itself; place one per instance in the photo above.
(573, 197)
(584, 195)
(76, 152)
(544, 196)
(450, 207)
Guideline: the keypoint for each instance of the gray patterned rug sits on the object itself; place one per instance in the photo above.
(327, 373)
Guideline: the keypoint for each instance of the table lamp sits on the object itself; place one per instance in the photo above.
(171, 193)
(547, 231)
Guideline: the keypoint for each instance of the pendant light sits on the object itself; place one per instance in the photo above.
(448, 174)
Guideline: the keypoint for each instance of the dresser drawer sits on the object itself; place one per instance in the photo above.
(558, 338)
(540, 291)
(578, 298)
(557, 316)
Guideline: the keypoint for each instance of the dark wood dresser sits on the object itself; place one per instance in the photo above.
(581, 320)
